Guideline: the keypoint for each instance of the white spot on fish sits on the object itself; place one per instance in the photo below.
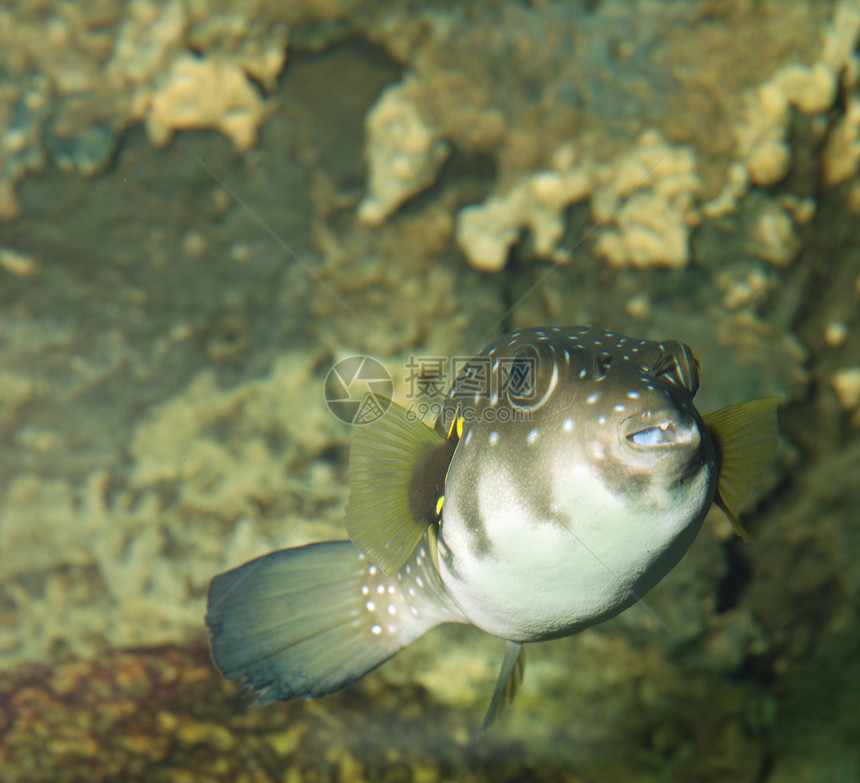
(494, 438)
(532, 436)
(601, 420)
(365, 589)
(380, 589)
(392, 609)
(391, 589)
(597, 450)
(372, 570)
(420, 581)
(468, 437)
(620, 407)
(568, 425)
(411, 591)
(633, 395)
(583, 372)
(592, 398)
(370, 606)
(377, 629)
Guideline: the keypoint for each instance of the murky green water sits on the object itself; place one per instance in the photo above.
(169, 313)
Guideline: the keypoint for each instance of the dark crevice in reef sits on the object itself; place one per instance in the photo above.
(738, 575)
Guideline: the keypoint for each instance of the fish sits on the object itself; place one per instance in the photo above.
(567, 473)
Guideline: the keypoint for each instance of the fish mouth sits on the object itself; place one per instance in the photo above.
(656, 431)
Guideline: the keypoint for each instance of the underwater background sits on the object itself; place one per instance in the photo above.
(206, 205)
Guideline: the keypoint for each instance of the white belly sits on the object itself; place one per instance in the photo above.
(583, 560)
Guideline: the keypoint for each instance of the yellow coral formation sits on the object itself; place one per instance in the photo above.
(486, 232)
(642, 202)
(404, 153)
(18, 264)
(846, 384)
(774, 236)
(206, 94)
(646, 199)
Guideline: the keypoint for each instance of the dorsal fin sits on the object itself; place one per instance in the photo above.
(746, 437)
(510, 677)
(397, 473)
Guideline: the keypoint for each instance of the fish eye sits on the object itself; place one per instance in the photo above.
(678, 365)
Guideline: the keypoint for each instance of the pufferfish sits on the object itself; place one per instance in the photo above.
(567, 473)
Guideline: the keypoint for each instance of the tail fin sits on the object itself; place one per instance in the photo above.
(311, 620)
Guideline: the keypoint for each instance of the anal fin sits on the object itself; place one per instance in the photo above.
(510, 678)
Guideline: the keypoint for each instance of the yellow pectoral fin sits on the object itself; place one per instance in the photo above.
(746, 436)
(397, 470)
